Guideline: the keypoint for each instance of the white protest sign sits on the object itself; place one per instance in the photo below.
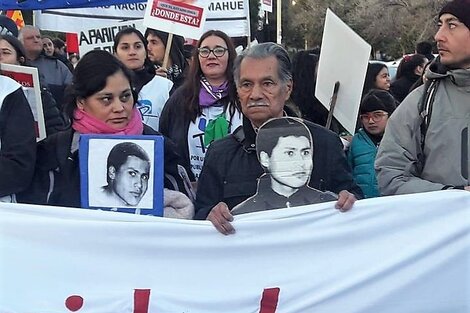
(267, 5)
(392, 254)
(343, 57)
(102, 38)
(185, 18)
(232, 17)
(28, 78)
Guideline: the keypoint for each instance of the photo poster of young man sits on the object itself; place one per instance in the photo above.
(285, 150)
(122, 173)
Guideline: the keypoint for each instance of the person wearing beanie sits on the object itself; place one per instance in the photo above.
(425, 146)
(374, 112)
(8, 27)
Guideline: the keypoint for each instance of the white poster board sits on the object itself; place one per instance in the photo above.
(102, 38)
(28, 78)
(343, 57)
(185, 18)
(400, 254)
(267, 5)
(232, 17)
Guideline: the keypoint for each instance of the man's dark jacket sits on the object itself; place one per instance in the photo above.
(267, 199)
(231, 168)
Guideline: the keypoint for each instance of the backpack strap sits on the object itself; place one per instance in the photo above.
(425, 109)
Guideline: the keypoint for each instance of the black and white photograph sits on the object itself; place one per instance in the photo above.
(285, 150)
(121, 175)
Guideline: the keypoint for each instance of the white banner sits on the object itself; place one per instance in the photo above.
(395, 254)
(231, 17)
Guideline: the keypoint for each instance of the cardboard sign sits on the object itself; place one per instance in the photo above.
(28, 78)
(122, 173)
(267, 5)
(184, 18)
(343, 57)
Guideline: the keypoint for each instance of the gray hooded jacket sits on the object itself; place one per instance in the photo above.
(446, 148)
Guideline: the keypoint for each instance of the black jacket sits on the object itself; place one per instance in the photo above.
(52, 116)
(401, 87)
(267, 199)
(57, 177)
(231, 168)
(17, 141)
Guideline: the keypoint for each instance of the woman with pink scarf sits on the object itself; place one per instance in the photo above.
(100, 101)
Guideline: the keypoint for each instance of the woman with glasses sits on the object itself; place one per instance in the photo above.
(206, 107)
(375, 110)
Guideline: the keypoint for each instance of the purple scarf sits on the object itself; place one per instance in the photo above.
(210, 95)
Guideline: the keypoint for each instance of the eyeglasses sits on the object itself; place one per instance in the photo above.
(217, 51)
(375, 116)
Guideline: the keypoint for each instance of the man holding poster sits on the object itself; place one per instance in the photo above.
(264, 83)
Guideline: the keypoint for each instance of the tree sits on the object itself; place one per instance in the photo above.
(393, 26)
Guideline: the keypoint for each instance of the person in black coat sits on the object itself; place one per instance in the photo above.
(17, 140)
(101, 101)
(409, 71)
(231, 166)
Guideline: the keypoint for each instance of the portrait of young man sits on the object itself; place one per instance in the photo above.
(127, 176)
(285, 148)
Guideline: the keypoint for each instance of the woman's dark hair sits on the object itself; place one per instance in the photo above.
(408, 64)
(373, 69)
(129, 31)
(90, 76)
(192, 85)
(420, 81)
(304, 64)
(176, 51)
(17, 45)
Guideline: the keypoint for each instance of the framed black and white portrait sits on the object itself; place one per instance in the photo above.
(122, 173)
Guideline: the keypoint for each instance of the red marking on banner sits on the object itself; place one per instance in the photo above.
(141, 300)
(74, 303)
(26, 80)
(36, 129)
(269, 300)
(72, 42)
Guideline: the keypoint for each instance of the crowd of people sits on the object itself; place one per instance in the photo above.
(223, 117)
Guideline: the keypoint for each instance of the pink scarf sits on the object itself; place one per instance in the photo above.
(85, 123)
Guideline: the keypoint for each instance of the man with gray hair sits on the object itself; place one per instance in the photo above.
(52, 71)
(231, 166)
